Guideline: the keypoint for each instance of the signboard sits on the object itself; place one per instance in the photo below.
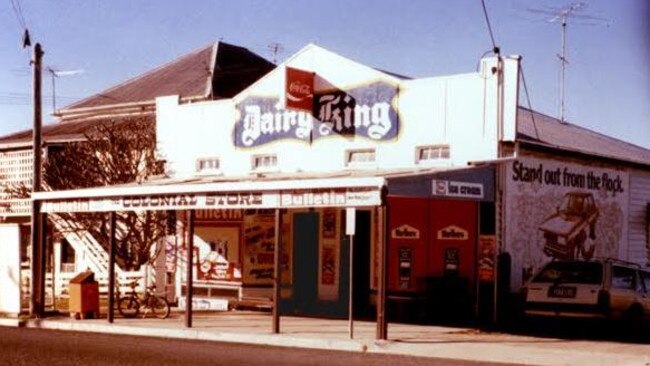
(405, 232)
(452, 232)
(218, 215)
(405, 255)
(259, 247)
(365, 111)
(559, 210)
(338, 197)
(449, 188)
(486, 257)
(299, 90)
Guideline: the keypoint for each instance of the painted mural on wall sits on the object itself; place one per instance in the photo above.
(557, 210)
(366, 111)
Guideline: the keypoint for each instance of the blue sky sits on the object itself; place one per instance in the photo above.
(607, 79)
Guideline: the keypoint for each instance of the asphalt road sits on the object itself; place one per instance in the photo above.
(24, 346)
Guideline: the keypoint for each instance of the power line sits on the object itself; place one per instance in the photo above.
(18, 11)
(487, 20)
(530, 106)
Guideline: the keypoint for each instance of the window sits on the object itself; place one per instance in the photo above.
(209, 165)
(571, 272)
(645, 280)
(623, 278)
(359, 157)
(432, 153)
(265, 162)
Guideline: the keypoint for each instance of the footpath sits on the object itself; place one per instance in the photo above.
(403, 339)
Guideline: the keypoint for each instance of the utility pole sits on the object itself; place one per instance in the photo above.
(37, 300)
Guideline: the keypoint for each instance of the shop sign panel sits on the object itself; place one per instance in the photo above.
(360, 197)
(452, 232)
(367, 111)
(405, 232)
(453, 189)
(558, 210)
(343, 197)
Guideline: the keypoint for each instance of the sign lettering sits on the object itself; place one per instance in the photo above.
(453, 232)
(365, 111)
(457, 189)
(405, 232)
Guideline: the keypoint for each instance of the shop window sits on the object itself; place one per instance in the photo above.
(265, 162)
(208, 165)
(360, 157)
(432, 153)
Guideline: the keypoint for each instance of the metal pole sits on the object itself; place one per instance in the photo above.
(111, 269)
(563, 61)
(351, 298)
(36, 305)
(42, 228)
(382, 323)
(276, 271)
(190, 264)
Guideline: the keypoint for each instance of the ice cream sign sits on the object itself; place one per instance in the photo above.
(365, 111)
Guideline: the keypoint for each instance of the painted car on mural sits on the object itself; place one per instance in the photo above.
(565, 231)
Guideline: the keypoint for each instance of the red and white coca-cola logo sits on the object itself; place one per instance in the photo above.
(298, 91)
(299, 87)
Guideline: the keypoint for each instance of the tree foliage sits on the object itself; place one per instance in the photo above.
(119, 151)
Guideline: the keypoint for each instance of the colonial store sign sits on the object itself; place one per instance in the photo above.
(405, 232)
(365, 111)
(457, 189)
(340, 197)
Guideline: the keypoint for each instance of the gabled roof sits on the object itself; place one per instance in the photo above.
(537, 128)
(62, 132)
(189, 76)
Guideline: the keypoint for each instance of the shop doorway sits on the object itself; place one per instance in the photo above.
(361, 279)
(305, 261)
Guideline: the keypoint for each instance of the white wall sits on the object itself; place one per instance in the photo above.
(638, 241)
(457, 110)
(10, 269)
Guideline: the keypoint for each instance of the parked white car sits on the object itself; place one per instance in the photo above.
(599, 288)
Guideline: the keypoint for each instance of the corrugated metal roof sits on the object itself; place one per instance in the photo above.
(188, 76)
(535, 127)
(62, 132)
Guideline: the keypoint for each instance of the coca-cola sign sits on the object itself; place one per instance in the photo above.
(366, 111)
(299, 90)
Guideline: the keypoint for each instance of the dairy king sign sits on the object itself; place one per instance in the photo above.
(365, 111)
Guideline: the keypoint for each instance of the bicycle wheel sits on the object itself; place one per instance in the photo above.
(159, 306)
(129, 307)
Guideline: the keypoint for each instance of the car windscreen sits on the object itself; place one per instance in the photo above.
(571, 272)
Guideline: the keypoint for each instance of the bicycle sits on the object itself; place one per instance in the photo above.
(130, 304)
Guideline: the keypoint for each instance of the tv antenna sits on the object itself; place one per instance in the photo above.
(54, 73)
(275, 48)
(561, 15)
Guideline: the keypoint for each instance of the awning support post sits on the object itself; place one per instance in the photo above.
(276, 271)
(111, 269)
(190, 273)
(42, 238)
(382, 323)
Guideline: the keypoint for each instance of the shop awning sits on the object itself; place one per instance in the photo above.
(202, 193)
(275, 190)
